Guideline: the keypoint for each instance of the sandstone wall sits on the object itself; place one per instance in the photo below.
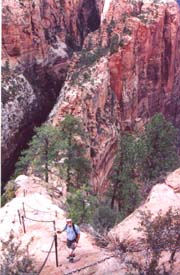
(38, 38)
(127, 72)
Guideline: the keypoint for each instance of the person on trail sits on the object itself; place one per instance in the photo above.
(73, 235)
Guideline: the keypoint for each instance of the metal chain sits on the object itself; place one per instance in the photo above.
(36, 220)
(46, 258)
(86, 266)
(38, 210)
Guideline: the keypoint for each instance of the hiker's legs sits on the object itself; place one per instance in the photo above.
(72, 246)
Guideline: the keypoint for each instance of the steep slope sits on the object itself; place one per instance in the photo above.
(40, 205)
(162, 197)
(128, 70)
(38, 38)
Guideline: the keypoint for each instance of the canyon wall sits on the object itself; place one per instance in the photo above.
(38, 39)
(128, 69)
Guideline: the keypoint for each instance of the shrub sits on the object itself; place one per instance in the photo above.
(126, 30)
(104, 218)
(161, 233)
(111, 26)
(121, 43)
(9, 193)
(114, 44)
(88, 58)
(14, 260)
(74, 77)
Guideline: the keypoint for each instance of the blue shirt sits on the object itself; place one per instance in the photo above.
(71, 235)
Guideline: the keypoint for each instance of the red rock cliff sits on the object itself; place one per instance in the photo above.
(38, 38)
(129, 70)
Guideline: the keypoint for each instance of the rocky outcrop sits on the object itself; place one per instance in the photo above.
(128, 70)
(38, 38)
(162, 197)
(93, 101)
(40, 206)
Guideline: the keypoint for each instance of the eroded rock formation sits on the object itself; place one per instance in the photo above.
(38, 38)
(128, 70)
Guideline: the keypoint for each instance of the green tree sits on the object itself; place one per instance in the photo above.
(9, 193)
(76, 165)
(158, 147)
(123, 190)
(42, 151)
(81, 205)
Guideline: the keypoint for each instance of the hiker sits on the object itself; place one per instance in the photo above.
(73, 235)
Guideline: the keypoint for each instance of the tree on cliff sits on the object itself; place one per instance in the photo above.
(75, 165)
(42, 151)
(123, 190)
(59, 147)
(158, 147)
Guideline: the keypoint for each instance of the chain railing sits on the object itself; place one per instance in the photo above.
(90, 265)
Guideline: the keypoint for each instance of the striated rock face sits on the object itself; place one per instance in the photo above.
(128, 70)
(31, 28)
(38, 38)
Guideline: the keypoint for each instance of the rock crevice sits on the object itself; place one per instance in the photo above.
(38, 39)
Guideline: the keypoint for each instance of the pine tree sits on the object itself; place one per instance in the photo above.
(61, 147)
(76, 165)
(124, 191)
(81, 205)
(42, 151)
(158, 147)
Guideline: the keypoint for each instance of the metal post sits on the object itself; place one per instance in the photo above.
(56, 250)
(24, 229)
(24, 209)
(19, 216)
(24, 192)
(54, 225)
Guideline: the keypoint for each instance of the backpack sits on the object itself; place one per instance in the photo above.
(73, 225)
